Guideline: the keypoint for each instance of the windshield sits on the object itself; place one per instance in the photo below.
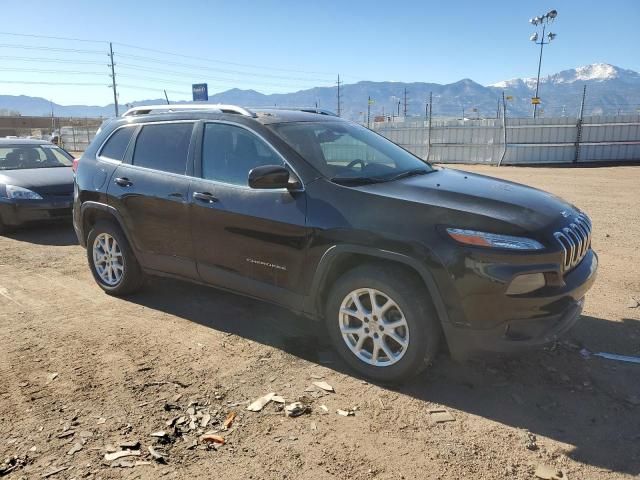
(348, 153)
(20, 157)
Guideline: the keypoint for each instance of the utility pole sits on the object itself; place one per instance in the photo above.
(52, 117)
(576, 159)
(339, 99)
(398, 108)
(429, 124)
(405, 102)
(504, 130)
(369, 112)
(113, 79)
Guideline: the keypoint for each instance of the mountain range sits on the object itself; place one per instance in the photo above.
(610, 90)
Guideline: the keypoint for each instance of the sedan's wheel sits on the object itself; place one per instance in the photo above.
(382, 322)
(112, 261)
(107, 259)
(373, 327)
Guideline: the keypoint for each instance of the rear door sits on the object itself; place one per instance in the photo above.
(248, 240)
(150, 190)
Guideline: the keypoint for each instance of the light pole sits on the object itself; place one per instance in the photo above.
(543, 21)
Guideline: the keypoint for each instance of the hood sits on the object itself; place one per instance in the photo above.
(55, 180)
(524, 207)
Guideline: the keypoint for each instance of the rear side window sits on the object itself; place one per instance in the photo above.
(117, 144)
(163, 146)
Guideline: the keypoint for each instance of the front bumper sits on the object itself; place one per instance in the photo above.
(529, 320)
(19, 212)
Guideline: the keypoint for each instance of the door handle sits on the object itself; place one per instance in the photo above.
(205, 197)
(123, 182)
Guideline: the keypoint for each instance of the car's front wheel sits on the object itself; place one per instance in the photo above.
(112, 261)
(382, 323)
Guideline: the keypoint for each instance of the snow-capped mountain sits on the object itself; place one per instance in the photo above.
(610, 89)
(596, 72)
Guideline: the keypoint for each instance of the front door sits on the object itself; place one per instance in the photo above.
(152, 195)
(248, 240)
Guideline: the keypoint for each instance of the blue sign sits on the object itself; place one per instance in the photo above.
(200, 92)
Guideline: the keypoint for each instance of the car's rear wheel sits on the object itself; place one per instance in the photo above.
(112, 261)
(382, 323)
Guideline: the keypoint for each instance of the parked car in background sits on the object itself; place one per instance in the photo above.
(36, 182)
(332, 220)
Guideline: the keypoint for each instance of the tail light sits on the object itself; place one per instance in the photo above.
(74, 167)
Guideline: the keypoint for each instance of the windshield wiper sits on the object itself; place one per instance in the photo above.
(369, 180)
(408, 173)
(356, 180)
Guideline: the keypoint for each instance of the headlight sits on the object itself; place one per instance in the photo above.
(493, 240)
(20, 193)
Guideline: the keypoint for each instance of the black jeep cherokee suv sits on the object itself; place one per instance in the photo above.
(332, 220)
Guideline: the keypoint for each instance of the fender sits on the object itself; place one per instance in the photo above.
(324, 266)
(90, 205)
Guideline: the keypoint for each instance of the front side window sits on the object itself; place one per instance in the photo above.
(230, 152)
(163, 146)
(117, 144)
(349, 153)
(21, 157)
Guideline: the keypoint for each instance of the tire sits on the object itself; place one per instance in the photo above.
(130, 278)
(421, 335)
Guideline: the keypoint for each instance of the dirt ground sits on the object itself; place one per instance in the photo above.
(81, 373)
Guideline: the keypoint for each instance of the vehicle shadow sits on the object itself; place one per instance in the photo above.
(59, 234)
(591, 404)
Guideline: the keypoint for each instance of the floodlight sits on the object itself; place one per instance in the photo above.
(534, 37)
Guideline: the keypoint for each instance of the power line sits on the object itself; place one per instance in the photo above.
(219, 61)
(22, 82)
(225, 82)
(52, 38)
(50, 60)
(39, 70)
(190, 75)
(200, 67)
(49, 49)
(137, 87)
(199, 58)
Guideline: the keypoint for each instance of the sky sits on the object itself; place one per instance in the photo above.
(283, 46)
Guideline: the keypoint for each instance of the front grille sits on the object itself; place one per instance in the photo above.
(575, 240)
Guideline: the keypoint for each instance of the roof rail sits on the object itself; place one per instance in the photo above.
(213, 107)
(320, 111)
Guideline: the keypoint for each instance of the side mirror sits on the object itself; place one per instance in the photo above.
(271, 176)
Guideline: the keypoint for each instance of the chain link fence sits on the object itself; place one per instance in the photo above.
(74, 133)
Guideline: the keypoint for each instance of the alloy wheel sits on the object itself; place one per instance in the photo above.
(373, 327)
(108, 259)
